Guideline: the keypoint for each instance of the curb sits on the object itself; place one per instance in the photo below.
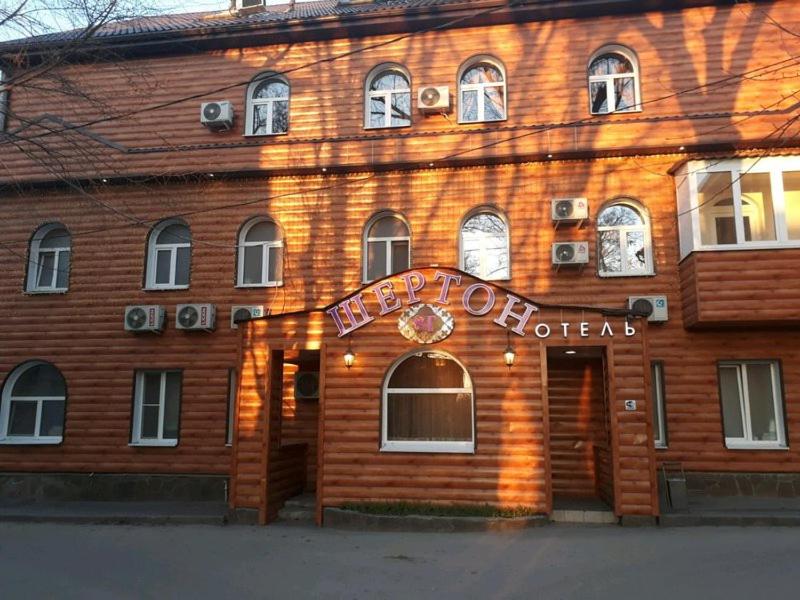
(115, 519)
(348, 519)
(736, 520)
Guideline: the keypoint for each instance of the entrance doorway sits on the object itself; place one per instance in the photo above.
(581, 464)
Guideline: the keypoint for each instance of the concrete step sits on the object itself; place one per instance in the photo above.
(304, 501)
(591, 517)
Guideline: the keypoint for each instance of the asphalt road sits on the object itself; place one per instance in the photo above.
(175, 562)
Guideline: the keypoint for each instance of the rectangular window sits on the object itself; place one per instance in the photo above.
(156, 409)
(659, 413)
(739, 204)
(232, 381)
(752, 404)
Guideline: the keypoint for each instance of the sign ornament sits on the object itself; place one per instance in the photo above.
(425, 323)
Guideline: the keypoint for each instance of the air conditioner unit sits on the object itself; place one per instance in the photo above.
(217, 115)
(244, 313)
(570, 253)
(196, 317)
(433, 99)
(144, 318)
(306, 385)
(570, 210)
(652, 307)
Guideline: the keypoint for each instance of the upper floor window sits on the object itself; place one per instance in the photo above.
(388, 97)
(613, 81)
(260, 254)
(481, 91)
(3, 101)
(623, 238)
(387, 246)
(735, 204)
(48, 259)
(484, 245)
(169, 255)
(267, 106)
(33, 402)
(427, 405)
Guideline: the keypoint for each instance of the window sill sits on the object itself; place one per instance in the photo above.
(660, 446)
(30, 441)
(154, 444)
(42, 292)
(460, 122)
(755, 446)
(613, 275)
(165, 288)
(617, 112)
(378, 128)
(437, 447)
(257, 135)
(771, 245)
(271, 284)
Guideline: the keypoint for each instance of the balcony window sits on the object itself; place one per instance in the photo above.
(739, 204)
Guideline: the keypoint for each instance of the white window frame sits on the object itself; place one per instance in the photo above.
(138, 403)
(388, 241)
(269, 102)
(623, 241)
(35, 256)
(689, 221)
(747, 442)
(5, 410)
(659, 410)
(387, 95)
(266, 249)
(461, 250)
(479, 87)
(451, 447)
(153, 248)
(611, 99)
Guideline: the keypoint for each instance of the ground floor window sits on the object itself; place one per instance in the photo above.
(659, 414)
(156, 409)
(752, 404)
(231, 406)
(33, 402)
(428, 405)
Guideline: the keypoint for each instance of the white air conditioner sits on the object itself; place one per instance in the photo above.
(217, 115)
(433, 99)
(306, 385)
(195, 317)
(244, 313)
(144, 318)
(570, 253)
(568, 210)
(653, 307)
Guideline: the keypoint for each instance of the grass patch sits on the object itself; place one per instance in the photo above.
(438, 510)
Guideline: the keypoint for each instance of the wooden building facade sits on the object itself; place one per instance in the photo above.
(426, 319)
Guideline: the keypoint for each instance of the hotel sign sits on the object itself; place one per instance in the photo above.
(429, 323)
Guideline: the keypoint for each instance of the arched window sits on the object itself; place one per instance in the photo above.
(623, 237)
(613, 81)
(260, 254)
(484, 245)
(387, 246)
(169, 255)
(267, 106)
(33, 402)
(388, 97)
(481, 91)
(427, 405)
(48, 259)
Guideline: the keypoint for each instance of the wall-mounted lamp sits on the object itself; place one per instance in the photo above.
(349, 356)
(509, 355)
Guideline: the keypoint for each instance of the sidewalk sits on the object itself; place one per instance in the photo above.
(130, 513)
